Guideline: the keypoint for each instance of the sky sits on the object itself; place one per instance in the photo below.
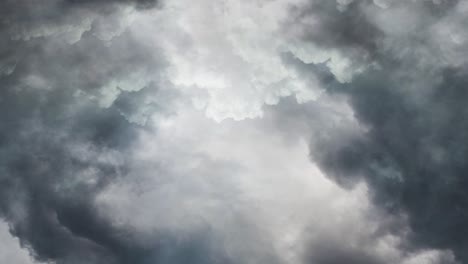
(233, 132)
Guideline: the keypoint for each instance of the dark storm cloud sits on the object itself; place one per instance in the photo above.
(413, 155)
(328, 26)
(77, 89)
(60, 145)
(137, 3)
(328, 252)
(27, 19)
(412, 145)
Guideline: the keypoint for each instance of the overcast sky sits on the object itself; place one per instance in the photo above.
(233, 132)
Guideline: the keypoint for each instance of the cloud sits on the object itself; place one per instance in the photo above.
(62, 136)
(409, 144)
(67, 19)
(11, 251)
(228, 52)
(166, 132)
(258, 206)
(410, 154)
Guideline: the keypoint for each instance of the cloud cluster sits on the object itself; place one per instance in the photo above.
(171, 132)
(410, 145)
(63, 134)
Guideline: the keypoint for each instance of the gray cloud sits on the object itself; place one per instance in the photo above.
(63, 138)
(411, 144)
(411, 154)
(104, 159)
(78, 91)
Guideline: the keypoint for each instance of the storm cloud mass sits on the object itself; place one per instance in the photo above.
(233, 131)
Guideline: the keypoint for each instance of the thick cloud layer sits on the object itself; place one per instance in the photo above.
(411, 148)
(63, 137)
(173, 132)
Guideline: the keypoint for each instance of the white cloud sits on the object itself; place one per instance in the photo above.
(229, 49)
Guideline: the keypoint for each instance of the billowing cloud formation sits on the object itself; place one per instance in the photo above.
(411, 146)
(63, 137)
(174, 132)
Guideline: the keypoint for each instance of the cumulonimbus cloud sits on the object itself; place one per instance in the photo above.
(411, 147)
(173, 132)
